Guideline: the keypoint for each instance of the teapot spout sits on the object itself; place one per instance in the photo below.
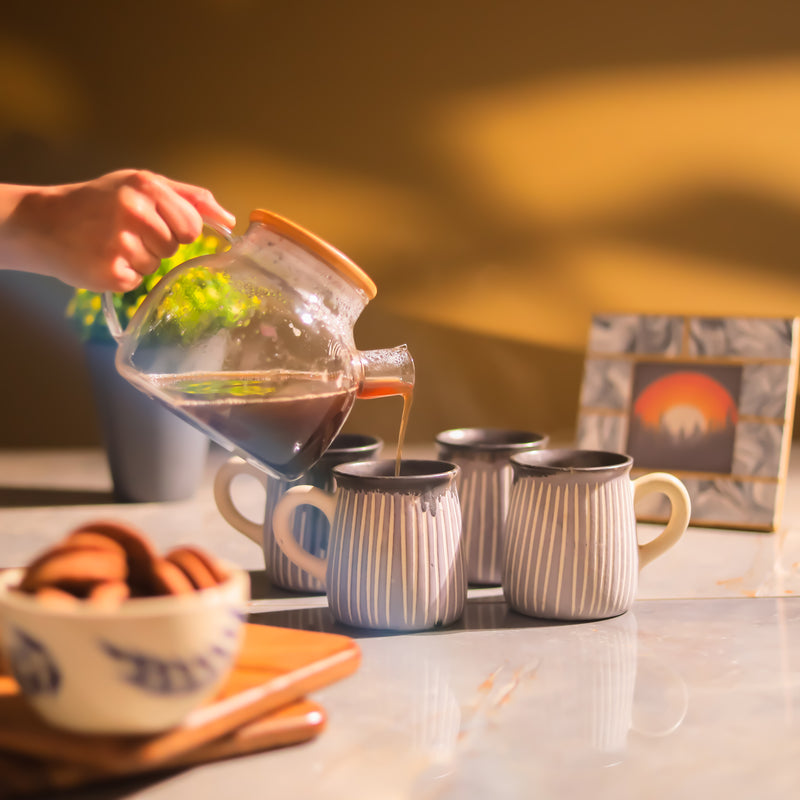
(386, 372)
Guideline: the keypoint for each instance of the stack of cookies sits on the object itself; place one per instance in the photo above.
(107, 562)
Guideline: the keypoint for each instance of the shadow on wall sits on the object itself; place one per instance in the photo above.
(463, 378)
(501, 172)
(738, 225)
(46, 399)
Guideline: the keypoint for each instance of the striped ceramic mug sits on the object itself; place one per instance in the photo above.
(572, 550)
(310, 527)
(484, 488)
(394, 558)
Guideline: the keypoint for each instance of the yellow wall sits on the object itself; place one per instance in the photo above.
(501, 169)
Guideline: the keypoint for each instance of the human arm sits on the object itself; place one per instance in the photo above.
(105, 233)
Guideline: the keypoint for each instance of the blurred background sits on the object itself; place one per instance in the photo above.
(501, 169)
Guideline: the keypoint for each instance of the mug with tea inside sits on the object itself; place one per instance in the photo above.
(394, 559)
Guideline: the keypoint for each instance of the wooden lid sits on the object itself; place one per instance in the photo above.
(330, 255)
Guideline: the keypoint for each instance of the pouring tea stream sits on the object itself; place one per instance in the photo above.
(271, 371)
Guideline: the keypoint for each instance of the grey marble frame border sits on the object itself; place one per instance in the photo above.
(751, 496)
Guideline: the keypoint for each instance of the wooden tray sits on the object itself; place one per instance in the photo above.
(276, 667)
(298, 722)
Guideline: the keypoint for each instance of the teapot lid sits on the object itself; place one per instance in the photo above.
(330, 255)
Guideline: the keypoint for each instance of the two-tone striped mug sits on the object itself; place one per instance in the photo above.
(572, 549)
(484, 487)
(394, 559)
(310, 527)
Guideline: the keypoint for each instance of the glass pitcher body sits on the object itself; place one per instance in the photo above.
(255, 345)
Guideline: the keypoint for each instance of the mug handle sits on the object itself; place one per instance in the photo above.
(222, 497)
(681, 510)
(282, 527)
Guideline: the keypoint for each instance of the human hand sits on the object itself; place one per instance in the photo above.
(106, 233)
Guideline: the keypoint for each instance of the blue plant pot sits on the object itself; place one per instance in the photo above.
(153, 455)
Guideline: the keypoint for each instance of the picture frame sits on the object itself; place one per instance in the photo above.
(709, 399)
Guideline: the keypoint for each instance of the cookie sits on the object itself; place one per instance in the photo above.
(202, 570)
(169, 578)
(94, 539)
(214, 566)
(74, 568)
(56, 598)
(140, 553)
(108, 595)
(105, 562)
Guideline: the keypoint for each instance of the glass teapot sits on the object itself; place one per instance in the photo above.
(255, 347)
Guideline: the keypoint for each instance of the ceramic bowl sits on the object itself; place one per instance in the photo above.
(138, 669)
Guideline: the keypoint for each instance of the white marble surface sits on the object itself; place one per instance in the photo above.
(696, 692)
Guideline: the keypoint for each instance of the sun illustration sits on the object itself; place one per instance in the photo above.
(686, 404)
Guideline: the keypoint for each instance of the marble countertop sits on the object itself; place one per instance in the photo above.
(695, 691)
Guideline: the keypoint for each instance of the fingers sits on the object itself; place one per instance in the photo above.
(205, 203)
(172, 212)
(183, 221)
(133, 250)
(116, 228)
(161, 214)
(140, 218)
(121, 276)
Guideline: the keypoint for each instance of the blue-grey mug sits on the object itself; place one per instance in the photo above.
(394, 560)
(310, 526)
(572, 549)
(484, 487)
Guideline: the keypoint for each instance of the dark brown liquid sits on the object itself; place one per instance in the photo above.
(388, 388)
(283, 420)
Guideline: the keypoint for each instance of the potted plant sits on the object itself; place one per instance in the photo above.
(153, 455)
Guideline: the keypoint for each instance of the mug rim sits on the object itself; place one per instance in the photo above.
(491, 439)
(420, 474)
(564, 460)
(347, 443)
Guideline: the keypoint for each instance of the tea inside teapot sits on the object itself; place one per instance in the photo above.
(283, 420)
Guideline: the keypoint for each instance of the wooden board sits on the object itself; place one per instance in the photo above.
(298, 722)
(276, 667)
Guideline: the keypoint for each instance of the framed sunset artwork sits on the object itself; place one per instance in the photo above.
(709, 399)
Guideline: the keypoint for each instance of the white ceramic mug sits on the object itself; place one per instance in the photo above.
(484, 487)
(572, 551)
(309, 525)
(394, 559)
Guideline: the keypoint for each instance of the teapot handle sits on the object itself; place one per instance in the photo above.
(110, 313)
